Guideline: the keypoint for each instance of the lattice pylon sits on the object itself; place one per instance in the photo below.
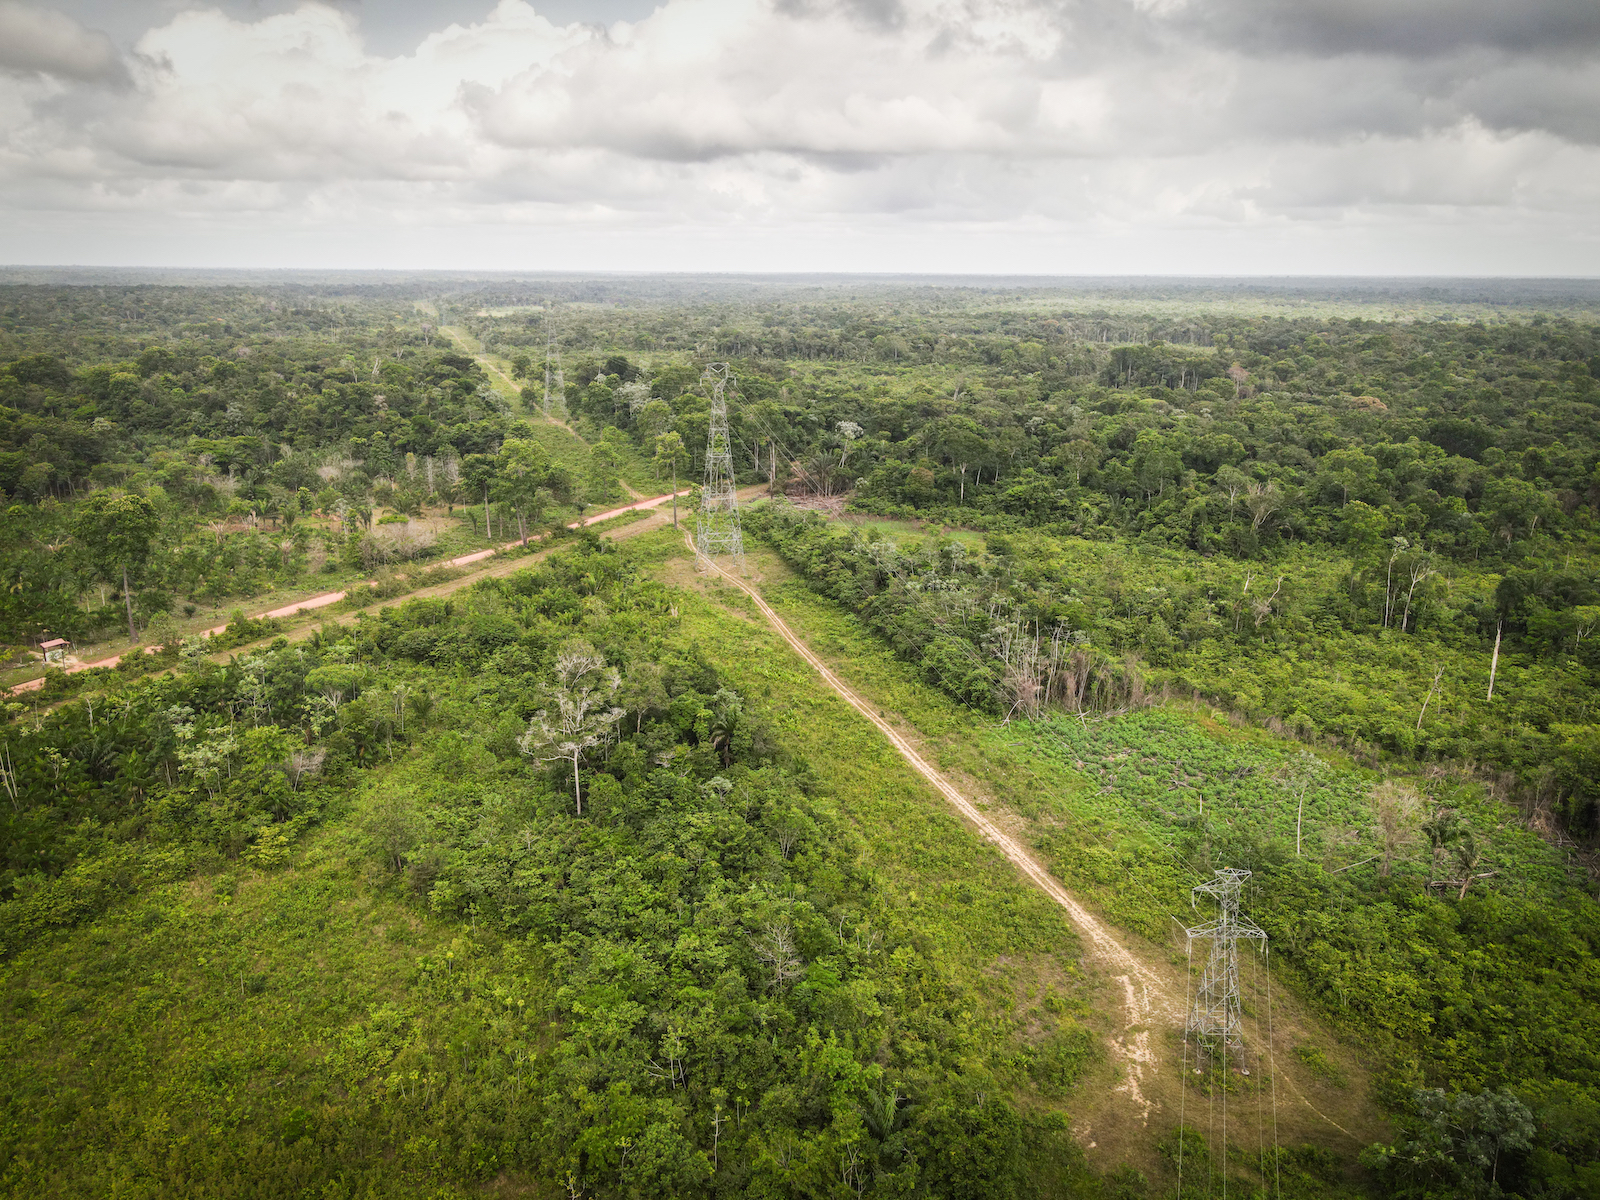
(1215, 1012)
(717, 529)
(552, 360)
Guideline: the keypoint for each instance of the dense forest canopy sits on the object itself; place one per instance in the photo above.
(1359, 515)
(1434, 477)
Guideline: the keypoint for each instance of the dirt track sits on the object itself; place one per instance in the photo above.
(328, 598)
(489, 365)
(1150, 995)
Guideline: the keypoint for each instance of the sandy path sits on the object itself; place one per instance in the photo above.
(1146, 993)
(504, 567)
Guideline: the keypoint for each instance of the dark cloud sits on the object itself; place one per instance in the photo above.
(881, 14)
(1560, 99)
(39, 41)
(1412, 28)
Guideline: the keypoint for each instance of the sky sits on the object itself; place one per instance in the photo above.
(1060, 137)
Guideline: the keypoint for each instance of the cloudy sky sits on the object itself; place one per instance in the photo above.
(1039, 136)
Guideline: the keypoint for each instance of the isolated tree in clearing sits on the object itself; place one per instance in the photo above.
(117, 531)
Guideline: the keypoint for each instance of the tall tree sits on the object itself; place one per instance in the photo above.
(960, 441)
(477, 473)
(117, 531)
(670, 454)
(522, 468)
(583, 715)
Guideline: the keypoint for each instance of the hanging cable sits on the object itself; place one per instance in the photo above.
(1211, 1125)
(1224, 1167)
(1277, 1168)
(1183, 1078)
(964, 646)
(1261, 1133)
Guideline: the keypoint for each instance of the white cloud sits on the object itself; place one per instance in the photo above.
(876, 123)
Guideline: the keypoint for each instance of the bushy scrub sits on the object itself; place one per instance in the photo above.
(647, 962)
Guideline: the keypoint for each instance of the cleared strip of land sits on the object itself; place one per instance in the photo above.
(1150, 993)
(328, 598)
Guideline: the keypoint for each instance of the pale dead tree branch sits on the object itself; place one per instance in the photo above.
(1301, 776)
(304, 762)
(672, 1049)
(1262, 500)
(583, 717)
(1397, 811)
(777, 949)
(1263, 608)
(1421, 568)
(8, 777)
(788, 830)
(1438, 674)
(1494, 662)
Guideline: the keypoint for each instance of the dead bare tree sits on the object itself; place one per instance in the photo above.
(1438, 674)
(1494, 661)
(583, 717)
(1262, 500)
(778, 950)
(1397, 813)
(1300, 776)
(1421, 568)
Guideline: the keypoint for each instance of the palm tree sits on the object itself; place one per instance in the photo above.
(727, 709)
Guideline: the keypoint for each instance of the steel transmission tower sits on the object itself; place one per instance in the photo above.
(1215, 1012)
(717, 527)
(552, 360)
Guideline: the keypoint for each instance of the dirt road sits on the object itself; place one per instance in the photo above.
(327, 598)
(1149, 995)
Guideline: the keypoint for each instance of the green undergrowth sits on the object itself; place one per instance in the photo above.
(1490, 988)
(1317, 642)
(979, 916)
(252, 1034)
(428, 973)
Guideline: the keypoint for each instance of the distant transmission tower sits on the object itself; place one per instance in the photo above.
(552, 360)
(717, 527)
(1215, 1012)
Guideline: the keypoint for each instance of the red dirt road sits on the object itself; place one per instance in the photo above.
(328, 598)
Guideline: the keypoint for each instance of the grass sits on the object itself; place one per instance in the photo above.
(1120, 869)
(990, 929)
(257, 1032)
(240, 1032)
(247, 1033)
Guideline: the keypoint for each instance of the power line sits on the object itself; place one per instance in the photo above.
(1183, 1076)
(1272, 1059)
(552, 360)
(1215, 1017)
(1216, 1013)
(965, 647)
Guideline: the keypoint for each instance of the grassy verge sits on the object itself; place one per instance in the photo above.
(1129, 872)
